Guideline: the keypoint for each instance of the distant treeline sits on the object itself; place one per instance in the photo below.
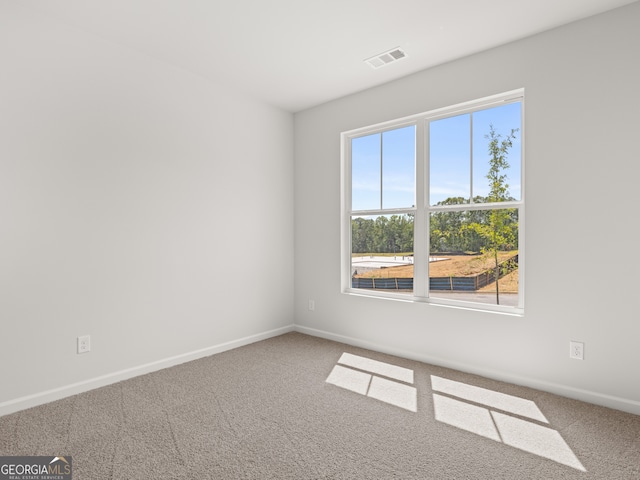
(449, 231)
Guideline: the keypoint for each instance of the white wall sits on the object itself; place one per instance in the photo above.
(139, 204)
(582, 126)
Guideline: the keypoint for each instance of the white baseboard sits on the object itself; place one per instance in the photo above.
(617, 403)
(40, 398)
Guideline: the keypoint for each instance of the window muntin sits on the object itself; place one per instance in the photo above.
(452, 179)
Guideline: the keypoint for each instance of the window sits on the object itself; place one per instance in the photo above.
(433, 206)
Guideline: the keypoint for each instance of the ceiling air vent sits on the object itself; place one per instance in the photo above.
(386, 58)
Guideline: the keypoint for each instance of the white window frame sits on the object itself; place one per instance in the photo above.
(422, 209)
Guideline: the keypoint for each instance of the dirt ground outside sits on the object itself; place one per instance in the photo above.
(455, 266)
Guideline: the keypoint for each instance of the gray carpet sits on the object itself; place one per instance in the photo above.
(296, 407)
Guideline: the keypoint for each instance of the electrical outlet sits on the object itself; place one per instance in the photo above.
(576, 350)
(312, 304)
(84, 344)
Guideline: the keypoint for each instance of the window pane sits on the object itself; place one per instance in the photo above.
(382, 253)
(398, 167)
(450, 159)
(365, 172)
(467, 249)
(503, 120)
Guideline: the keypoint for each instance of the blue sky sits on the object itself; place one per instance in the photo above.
(450, 160)
(398, 169)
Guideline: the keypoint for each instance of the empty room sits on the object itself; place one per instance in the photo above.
(319, 240)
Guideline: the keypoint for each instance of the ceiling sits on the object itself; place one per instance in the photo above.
(295, 54)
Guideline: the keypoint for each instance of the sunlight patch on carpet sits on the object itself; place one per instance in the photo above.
(490, 398)
(350, 379)
(358, 376)
(473, 408)
(463, 415)
(394, 393)
(537, 439)
(374, 366)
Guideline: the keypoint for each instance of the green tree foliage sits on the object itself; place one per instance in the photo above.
(393, 234)
(499, 230)
(449, 231)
